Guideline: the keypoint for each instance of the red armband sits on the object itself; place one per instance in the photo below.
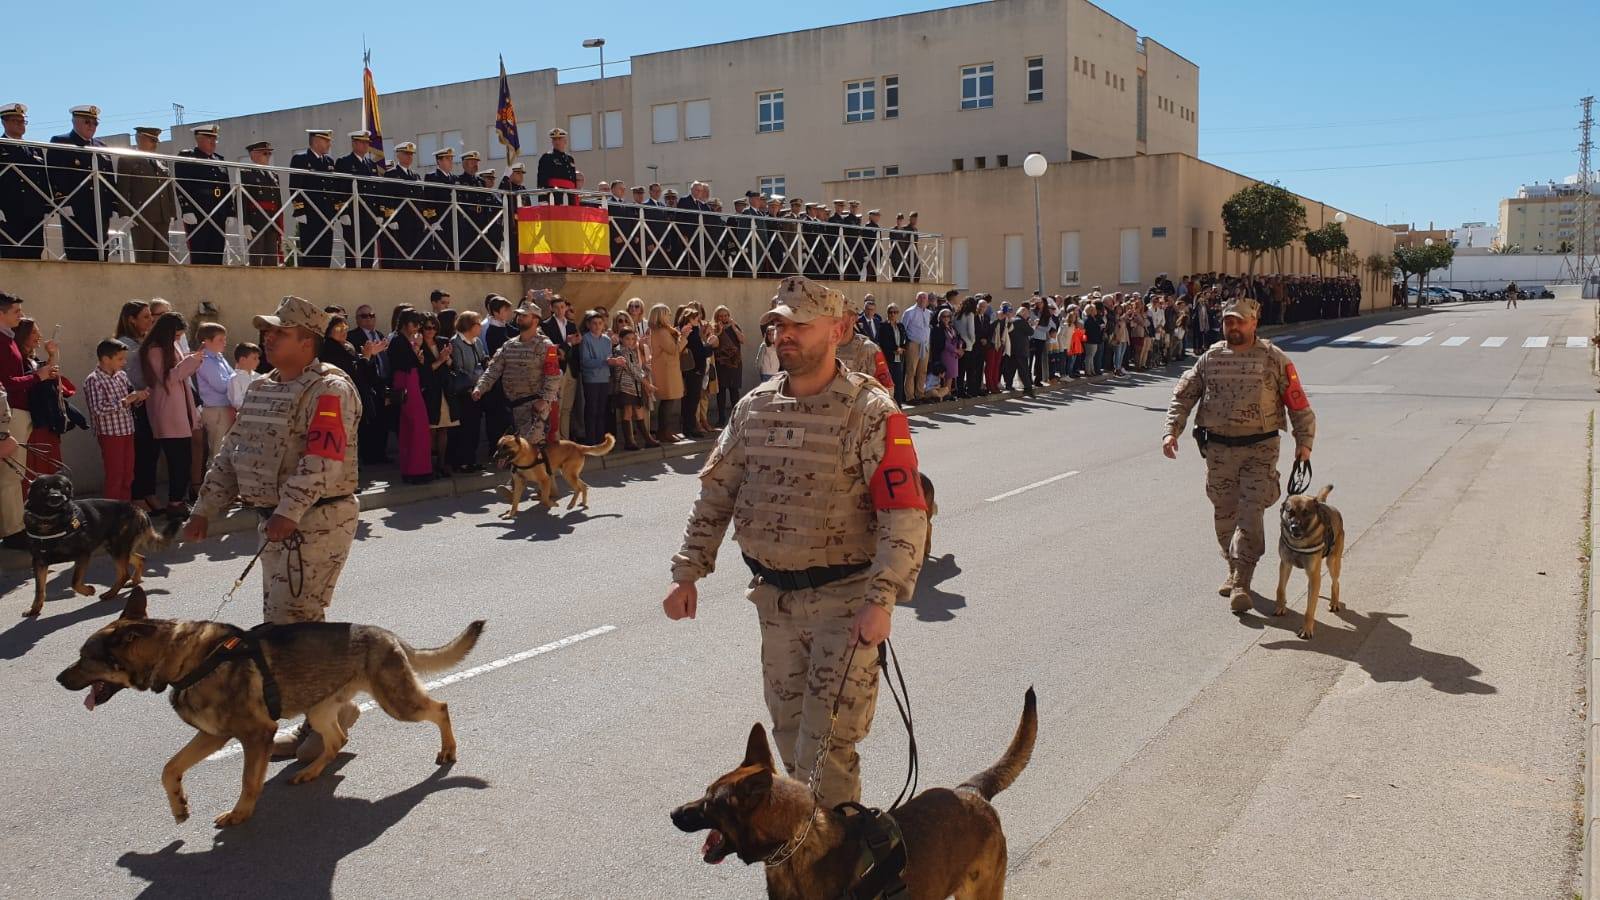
(896, 484)
(552, 361)
(325, 435)
(1294, 396)
(882, 373)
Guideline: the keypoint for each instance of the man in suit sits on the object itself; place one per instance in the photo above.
(557, 169)
(871, 252)
(85, 204)
(514, 185)
(499, 329)
(262, 206)
(314, 199)
(24, 189)
(474, 212)
(150, 202)
(438, 219)
(869, 323)
(624, 218)
(203, 197)
(360, 220)
(374, 428)
(563, 333)
(404, 235)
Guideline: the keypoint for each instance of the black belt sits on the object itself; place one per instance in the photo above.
(266, 512)
(805, 579)
(512, 404)
(1207, 436)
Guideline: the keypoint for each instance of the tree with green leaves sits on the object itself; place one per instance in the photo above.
(1326, 241)
(1420, 260)
(1261, 219)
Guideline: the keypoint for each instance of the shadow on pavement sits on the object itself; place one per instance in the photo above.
(26, 634)
(1378, 645)
(291, 847)
(535, 523)
(931, 603)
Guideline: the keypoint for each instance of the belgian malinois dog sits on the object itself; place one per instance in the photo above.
(315, 668)
(561, 457)
(953, 840)
(1312, 531)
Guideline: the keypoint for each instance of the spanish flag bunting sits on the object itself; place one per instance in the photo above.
(568, 237)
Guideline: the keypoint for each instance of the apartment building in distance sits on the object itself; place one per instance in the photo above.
(963, 88)
(1543, 218)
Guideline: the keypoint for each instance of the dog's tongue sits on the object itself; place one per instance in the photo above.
(713, 842)
(88, 698)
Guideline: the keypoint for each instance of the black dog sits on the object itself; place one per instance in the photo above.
(61, 529)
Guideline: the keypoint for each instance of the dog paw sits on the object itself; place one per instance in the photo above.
(1305, 633)
(231, 818)
(1335, 606)
(32, 612)
(108, 595)
(180, 814)
(304, 775)
(83, 590)
(445, 757)
(1280, 608)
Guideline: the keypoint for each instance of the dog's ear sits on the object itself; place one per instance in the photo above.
(1322, 495)
(757, 752)
(138, 605)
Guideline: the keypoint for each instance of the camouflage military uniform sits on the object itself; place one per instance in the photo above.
(862, 354)
(824, 480)
(1242, 393)
(528, 370)
(292, 453)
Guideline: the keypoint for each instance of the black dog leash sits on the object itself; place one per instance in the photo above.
(1299, 477)
(887, 655)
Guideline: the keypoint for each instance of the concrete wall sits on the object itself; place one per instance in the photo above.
(1098, 199)
(1492, 271)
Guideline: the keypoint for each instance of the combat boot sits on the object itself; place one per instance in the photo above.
(285, 745)
(1226, 590)
(1240, 600)
(311, 747)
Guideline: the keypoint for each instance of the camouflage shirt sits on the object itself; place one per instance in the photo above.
(862, 354)
(1241, 393)
(823, 480)
(525, 369)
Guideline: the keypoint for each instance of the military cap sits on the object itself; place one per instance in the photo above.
(405, 147)
(13, 109)
(874, 212)
(294, 312)
(485, 173)
(638, 189)
(470, 154)
(148, 130)
(258, 145)
(558, 132)
(752, 193)
(362, 135)
(519, 167)
(775, 198)
(855, 202)
(205, 131)
(88, 111)
(442, 152)
(319, 132)
(1243, 307)
(801, 300)
(838, 203)
(528, 309)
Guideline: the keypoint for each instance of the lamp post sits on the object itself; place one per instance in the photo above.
(1034, 166)
(600, 44)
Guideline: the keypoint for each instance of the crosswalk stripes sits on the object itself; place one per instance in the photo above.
(1350, 339)
(1456, 341)
(1577, 343)
(1492, 342)
(1380, 341)
(1536, 343)
(1418, 341)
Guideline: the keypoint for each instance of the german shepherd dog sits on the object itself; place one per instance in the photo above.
(61, 529)
(563, 457)
(316, 666)
(933, 510)
(1312, 531)
(953, 840)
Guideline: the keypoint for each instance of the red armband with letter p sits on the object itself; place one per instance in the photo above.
(325, 435)
(896, 484)
(1294, 396)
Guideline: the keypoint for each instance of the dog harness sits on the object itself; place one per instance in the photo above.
(239, 644)
(881, 869)
(72, 526)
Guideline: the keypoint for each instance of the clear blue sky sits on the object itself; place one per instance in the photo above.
(1397, 110)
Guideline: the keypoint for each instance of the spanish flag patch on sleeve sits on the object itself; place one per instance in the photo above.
(1294, 395)
(896, 484)
(325, 435)
(552, 361)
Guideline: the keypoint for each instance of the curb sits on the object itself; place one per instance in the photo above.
(1590, 874)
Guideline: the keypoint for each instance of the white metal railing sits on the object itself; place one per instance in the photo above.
(61, 201)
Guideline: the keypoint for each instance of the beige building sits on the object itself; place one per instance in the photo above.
(1412, 236)
(1111, 223)
(1544, 217)
(964, 88)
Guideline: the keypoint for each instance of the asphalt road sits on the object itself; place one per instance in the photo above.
(1070, 556)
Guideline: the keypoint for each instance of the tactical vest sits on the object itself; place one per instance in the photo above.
(804, 501)
(859, 354)
(269, 437)
(1243, 393)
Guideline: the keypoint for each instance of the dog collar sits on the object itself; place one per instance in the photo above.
(71, 527)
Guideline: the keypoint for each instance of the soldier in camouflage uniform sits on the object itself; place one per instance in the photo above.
(528, 369)
(860, 353)
(818, 475)
(291, 457)
(1244, 386)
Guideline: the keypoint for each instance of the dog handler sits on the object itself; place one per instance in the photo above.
(528, 368)
(291, 456)
(818, 475)
(1244, 387)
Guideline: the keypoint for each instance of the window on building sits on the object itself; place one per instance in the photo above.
(426, 145)
(613, 129)
(1035, 79)
(526, 132)
(456, 141)
(1093, 71)
(769, 111)
(891, 96)
(958, 262)
(1013, 260)
(1071, 249)
(580, 132)
(1074, 65)
(957, 164)
(891, 171)
(977, 86)
(1142, 103)
(697, 119)
(853, 174)
(980, 162)
(861, 100)
(664, 123)
(1129, 241)
(1002, 161)
(772, 185)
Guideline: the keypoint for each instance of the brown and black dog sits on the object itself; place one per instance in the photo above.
(317, 667)
(933, 510)
(61, 529)
(953, 840)
(1312, 531)
(564, 457)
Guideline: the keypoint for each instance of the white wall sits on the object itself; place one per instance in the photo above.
(1493, 271)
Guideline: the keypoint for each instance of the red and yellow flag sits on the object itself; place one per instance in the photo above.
(567, 237)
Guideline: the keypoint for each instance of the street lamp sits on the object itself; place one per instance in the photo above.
(1034, 166)
(1341, 218)
(600, 44)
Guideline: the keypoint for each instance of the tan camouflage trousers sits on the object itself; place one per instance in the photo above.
(531, 425)
(805, 642)
(297, 582)
(1242, 482)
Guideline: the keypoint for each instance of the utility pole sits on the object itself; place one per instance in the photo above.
(1587, 259)
(177, 113)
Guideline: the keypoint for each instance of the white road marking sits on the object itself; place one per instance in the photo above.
(1456, 341)
(1028, 487)
(1578, 342)
(1311, 339)
(1535, 343)
(1350, 339)
(233, 748)
(1381, 358)
(1417, 341)
(1380, 341)
(1492, 342)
